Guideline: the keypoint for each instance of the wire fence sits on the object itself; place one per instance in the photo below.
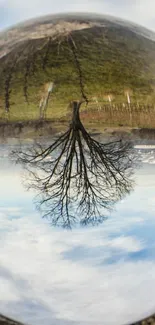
(122, 114)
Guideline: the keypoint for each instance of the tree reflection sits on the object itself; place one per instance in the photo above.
(78, 178)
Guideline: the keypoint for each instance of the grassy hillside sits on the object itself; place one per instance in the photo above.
(95, 61)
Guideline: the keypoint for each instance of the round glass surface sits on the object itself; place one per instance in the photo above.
(77, 166)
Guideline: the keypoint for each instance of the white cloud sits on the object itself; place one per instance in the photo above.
(36, 270)
(139, 11)
(50, 275)
(8, 291)
(32, 258)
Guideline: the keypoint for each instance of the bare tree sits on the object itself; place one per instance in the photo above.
(78, 178)
(78, 66)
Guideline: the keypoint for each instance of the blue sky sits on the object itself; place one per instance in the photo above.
(49, 275)
(139, 11)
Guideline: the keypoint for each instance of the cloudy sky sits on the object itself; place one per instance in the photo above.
(49, 275)
(139, 11)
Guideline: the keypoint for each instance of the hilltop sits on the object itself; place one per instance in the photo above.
(90, 55)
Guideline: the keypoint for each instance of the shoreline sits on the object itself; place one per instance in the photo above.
(33, 129)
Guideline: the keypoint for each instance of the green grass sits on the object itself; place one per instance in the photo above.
(111, 60)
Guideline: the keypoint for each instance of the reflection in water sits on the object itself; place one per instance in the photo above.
(77, 177)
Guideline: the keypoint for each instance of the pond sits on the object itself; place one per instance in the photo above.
(89, 275)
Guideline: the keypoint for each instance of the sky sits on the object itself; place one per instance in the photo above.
(106, 272)
(138, 11)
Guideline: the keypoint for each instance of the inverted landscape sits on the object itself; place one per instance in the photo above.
(77, 97)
